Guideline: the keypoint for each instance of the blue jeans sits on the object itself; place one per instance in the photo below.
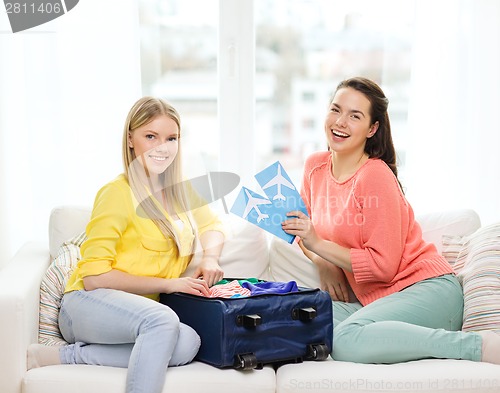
(421, 321)
(115, 328)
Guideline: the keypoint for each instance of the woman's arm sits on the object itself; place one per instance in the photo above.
(332, 278)
(209, 269)
(211, 234)
(141, 285)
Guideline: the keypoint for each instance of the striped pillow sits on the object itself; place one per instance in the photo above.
(52, 289)
(476, 259)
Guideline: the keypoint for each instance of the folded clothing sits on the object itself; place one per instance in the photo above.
(229, 290)
(270, 287)
(250, 287)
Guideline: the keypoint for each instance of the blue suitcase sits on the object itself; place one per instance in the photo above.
(248, 332)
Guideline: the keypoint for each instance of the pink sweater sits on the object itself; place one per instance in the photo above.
(369, 214)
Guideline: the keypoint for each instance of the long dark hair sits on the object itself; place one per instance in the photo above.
(380, 145)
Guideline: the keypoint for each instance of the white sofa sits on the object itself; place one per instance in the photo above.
(249, 252)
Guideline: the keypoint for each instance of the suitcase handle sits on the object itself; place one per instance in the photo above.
(304, 314)
(249, 320)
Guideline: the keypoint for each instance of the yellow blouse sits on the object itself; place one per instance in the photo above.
(119, 238)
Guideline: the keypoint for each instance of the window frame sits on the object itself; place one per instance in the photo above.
(236, 99)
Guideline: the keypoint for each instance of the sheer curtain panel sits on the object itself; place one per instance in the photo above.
(453, 118)
(66, 87)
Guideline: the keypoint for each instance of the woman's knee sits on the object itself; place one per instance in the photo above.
(187, 347)
(161, 318)
(345, 347)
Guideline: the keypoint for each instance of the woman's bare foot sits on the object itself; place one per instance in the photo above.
(43, 355)
(491, 347)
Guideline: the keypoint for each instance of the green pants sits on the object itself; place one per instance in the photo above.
(419, 322)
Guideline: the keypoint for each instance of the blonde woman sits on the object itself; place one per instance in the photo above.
(141, 237)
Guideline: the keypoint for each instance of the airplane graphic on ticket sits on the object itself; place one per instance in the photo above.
(270, 211)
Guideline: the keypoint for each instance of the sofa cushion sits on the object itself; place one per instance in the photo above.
(287, 262)
(476, 259)
(245, 253)
(422, 376)
(448, 223)
(52, 288)
(65, 222)
(194, 377)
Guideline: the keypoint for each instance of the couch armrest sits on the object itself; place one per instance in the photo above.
(19, 304)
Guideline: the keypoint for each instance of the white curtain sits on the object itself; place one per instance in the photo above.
(454, 160)
(65, 89)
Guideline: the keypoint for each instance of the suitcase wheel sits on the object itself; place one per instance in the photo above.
(247, 361)
(317, 352)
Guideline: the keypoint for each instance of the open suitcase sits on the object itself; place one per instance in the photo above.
(248, 332)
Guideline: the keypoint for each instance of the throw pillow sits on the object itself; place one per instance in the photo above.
(462, 222)
(52, 289)
(245, 252)
(476, 260)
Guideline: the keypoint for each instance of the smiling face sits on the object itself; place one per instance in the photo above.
(348, 122)
(155, 144)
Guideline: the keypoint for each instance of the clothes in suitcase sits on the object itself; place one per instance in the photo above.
(248, 332)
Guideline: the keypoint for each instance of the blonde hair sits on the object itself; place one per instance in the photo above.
(143, 112)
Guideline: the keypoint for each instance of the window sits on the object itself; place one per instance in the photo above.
(299, 49)
(308, 46)
(179, 63)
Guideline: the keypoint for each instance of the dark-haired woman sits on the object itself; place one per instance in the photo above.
(361, 233)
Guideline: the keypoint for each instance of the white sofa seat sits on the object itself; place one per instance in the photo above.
(422, 376)
(194, 377)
